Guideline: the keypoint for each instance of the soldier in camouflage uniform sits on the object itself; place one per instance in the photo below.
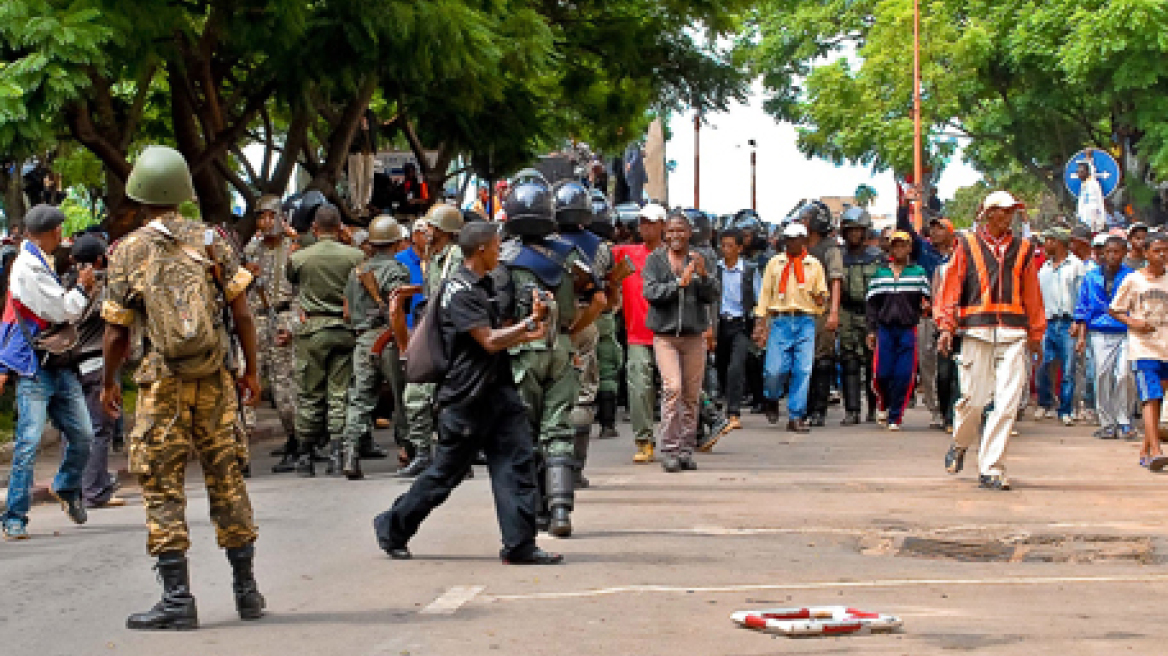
(370, 318)
(444, 259)
(272, 300)
(548, 384)
(860, 263)
(823, 247)
(573, 211)
(324, 343)
(184, 403)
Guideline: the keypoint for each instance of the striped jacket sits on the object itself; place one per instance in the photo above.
(897, 301)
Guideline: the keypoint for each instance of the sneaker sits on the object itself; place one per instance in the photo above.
(687, 463)
(1067, 420)
(72, 504)
(14, 530)
(994, 482)
(112, 502)
(671, 464)
(937, 421)
(1091, 418)
(706, 443)
(894, 427)
(955, 459)
(1040, 413)
(644, 453)
(881, 417)
(772, 412)
(607, 433)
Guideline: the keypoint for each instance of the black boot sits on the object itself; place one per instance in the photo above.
(248, 600)
(287, 464)
(561, 496)
(580, 451)
(305, 466)
(606, 414)
(367, 449)
(289, 446)
(852, 393)
(176, 609)
(351, 464)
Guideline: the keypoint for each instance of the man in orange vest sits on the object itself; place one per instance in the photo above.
(990, 296)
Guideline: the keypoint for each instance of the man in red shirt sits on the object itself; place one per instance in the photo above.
(639, 362)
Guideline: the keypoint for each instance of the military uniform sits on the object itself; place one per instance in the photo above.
(370, 370)
(855, 356)
(324, 343)
(274, 310)
(829, 254)
(175, 415)
(418, 398)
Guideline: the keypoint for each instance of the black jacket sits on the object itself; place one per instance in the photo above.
(676, 310)
(749, 273)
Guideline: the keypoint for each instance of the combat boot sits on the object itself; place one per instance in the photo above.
(305, 466)
(287, 463)
(248, 600)
(176, 609)
(351, 464)
(561, 496)
(367, 449)
(334, 465)
(580, 449)
(606, 414)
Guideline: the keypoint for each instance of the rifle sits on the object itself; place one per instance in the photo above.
(397, 331)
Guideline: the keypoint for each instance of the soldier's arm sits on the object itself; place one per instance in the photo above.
(246, 332)
(115, 348)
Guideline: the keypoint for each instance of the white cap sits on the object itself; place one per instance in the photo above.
(1100, 239)
(1002, 199)
(795, 229)
(653, 212)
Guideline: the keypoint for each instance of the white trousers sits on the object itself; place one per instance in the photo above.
(360, 179)
(1114, 383)
(989, 372)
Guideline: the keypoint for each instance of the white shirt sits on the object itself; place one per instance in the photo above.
(1090, 208)
(1060, 285)
(38, 289)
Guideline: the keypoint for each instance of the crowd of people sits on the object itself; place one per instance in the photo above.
(506, 340)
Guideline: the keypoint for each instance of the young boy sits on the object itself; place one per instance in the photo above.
(1142, 304)
(898, 295)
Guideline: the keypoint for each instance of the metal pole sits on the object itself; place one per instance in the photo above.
(918, 172)
(697, 203)
(753, 177)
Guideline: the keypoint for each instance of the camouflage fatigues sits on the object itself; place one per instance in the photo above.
(855, 356)
(176, 415)
(418, 398)
(277, 363)
(369, 371)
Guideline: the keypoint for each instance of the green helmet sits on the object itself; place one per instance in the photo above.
(385, 230)
(160, 177)
(445, 217)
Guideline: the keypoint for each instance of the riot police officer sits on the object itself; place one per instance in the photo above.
(861, 262)
(543, 369)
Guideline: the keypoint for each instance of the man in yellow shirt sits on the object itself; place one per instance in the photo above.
(794, 290)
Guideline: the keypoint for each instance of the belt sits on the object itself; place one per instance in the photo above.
(1062, 317)
(730, 317)
(333, 315)
(789, 313)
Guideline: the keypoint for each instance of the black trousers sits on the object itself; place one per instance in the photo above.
(730, 358)
(948, 387)
(497, 424)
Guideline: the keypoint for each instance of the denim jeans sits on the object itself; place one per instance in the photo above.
(1058, 345)
(790, 353)
(50, 394)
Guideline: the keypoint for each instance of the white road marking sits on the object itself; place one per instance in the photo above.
(833, 585)
(452, 600)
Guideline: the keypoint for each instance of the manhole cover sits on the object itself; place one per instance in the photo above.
(1017, 548)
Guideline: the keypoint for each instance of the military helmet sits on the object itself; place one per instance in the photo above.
(529, 210)
(747, 221)
(855, 217)
(817, 216)
(268, 203)
(603, 221)
(573, 204)
(702, 229)
(160, 177)
(529, 175)
(385, 230)
(446, 218)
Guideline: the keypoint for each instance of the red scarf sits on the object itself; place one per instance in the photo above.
(795, 263)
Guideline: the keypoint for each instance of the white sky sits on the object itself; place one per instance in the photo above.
(784, 175)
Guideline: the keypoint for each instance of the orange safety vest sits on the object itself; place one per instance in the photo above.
(991, 292)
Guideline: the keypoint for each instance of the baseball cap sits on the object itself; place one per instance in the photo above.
(1100, 239)
(900, 235)
(794, 230)
(1058, 234)
(1137, 226)
(1000, 200)
(43, 218)
(87, 248)
(653, 212)
(1081, 233)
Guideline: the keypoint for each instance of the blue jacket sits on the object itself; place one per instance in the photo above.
(413, 262)
(1091, 309)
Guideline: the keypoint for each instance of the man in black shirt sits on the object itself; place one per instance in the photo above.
(479, 409)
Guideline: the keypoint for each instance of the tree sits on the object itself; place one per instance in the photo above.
(1024, 84)
(864, 195)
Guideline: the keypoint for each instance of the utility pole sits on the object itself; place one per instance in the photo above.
(918, 167)
(697, 203)
(753, 175)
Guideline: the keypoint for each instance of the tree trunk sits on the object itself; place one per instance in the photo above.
(14, 207)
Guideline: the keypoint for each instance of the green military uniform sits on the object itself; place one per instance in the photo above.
(855, 356)
(830, 255)
(324, 344)
(176, 415)
(418, 398)
(609, 355)
(273, 304)
(369, 370)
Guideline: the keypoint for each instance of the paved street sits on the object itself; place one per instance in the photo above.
(659, 561)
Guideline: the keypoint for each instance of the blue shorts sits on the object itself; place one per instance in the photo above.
(1150, 378)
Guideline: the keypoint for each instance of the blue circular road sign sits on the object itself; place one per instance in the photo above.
(1106, 171)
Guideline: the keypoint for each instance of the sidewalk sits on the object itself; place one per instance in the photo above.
(268, 429)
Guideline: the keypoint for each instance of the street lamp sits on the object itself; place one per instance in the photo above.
(753, 175)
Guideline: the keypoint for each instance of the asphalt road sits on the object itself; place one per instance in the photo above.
(658, 563)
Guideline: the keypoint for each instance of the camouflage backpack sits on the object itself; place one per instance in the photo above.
(182, 304)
